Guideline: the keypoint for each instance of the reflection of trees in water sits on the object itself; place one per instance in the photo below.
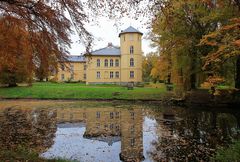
(27, 128)
(196, 137)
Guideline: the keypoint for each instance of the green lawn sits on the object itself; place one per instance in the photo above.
(82, 91)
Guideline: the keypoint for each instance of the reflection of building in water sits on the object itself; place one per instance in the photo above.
(110, 125)
(132, 135)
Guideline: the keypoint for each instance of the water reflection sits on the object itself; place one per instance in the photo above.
(196, 136)
(114, 133)
(33, 129)
(111, 125)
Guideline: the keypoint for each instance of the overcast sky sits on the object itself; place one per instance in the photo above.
(106, 32)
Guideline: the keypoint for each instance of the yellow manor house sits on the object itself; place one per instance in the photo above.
(109, 65)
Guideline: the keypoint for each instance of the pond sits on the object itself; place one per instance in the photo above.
(116, 131)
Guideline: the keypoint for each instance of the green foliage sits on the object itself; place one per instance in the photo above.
(149, 61)
(231, 154)
(179, 28)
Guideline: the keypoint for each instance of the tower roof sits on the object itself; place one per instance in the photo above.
(130, 29)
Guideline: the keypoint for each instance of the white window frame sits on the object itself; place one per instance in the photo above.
(117, 62)
(132, 74)
(98, 75)
(106, 62)
(131, 62)
(131, 50)
(111, 62)
(98, 63)
(117, 74)
(111, 74)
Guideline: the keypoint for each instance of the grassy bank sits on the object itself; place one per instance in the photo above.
(24, 155)
(228, 154)
(82, 91)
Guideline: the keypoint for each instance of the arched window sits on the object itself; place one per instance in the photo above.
(131, 62)
(116, 62)
(106, 63)
(98, 62)
(111, 62)
(131, 50)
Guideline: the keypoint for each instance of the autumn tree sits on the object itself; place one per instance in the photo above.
(149, 61)
(48, 25)
(15, 52)
(178, 29)
(225, 43)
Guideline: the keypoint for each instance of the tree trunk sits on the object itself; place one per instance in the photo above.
(193, 81)
(12, 81)
(237, 79)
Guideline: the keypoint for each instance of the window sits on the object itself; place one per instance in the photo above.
(132, 129)
(98, 63)
(62, 67)
(131, 62)
(84, 76)
(106, 63)
(131, 49)
(132, 115)
(111, 115)
(111, 62)
(85, 67)
(117, 128)
(98, 74)
(111, 126)
(131, 74)
(116, 62)
(116, 74)
(117, 114)
(111, 74)
(62, 76)
(98, 114)
(131, 37)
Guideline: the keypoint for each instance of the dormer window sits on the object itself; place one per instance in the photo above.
(131, 49)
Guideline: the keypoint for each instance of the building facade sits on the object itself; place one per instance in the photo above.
(109, 65)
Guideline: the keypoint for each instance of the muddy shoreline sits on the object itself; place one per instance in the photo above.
(187, 102)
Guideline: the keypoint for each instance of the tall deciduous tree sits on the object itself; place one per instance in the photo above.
(15, 52)
(179, 27)
(48, 25)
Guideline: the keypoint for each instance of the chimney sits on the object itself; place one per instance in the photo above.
(110, 44)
